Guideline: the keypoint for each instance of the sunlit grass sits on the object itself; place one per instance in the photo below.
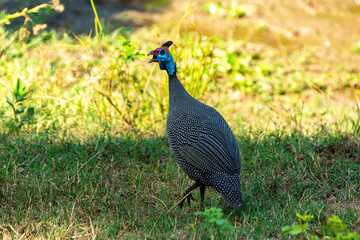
(77, 82)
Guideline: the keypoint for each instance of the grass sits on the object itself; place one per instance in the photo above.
(106, 186)
(95, 164)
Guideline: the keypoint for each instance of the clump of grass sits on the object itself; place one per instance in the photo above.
(20, 113)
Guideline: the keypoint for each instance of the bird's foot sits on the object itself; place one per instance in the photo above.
(201, 207)
(188, 197)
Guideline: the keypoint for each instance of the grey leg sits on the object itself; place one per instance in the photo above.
(202, 196)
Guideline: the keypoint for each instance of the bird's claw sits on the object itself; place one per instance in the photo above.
(189, 197)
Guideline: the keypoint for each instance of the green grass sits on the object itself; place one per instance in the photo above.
(126, 186)
(95, 162)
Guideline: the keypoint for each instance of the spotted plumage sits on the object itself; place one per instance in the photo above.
(200, 140)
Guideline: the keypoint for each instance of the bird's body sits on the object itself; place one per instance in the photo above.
(202, 144)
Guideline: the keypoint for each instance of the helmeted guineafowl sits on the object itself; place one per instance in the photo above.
(200, 139)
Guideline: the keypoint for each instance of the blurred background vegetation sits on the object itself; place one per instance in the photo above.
(275, 63)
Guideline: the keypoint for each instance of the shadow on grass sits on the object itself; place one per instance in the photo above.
(126, 186)
(78, 16)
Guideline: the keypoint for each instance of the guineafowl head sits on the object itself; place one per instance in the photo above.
(163, 56)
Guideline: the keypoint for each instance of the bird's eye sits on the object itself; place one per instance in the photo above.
(162, 52)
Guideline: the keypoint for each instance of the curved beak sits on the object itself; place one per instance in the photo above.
(154, 59)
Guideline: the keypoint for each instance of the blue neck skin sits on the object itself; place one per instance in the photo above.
(167, 63)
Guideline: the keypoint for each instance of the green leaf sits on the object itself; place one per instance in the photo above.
(212, 7)
(304, 218)
(207, 213)
(286, 228)
(300, 217)
(334, 219)
(20, 110)
(305, 225)
(24, 93)
(9, 101)
(18, 86)
(232, 59)
(352, 235)
(221, 221)
(296, 229)
(211, 220)
(30, 111)
(313, 237)
(19, 98)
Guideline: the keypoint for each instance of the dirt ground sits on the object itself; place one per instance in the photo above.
(332, 27)
(328, 27)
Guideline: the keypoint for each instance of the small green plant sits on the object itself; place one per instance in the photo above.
(357, 47)
(212, 8)
(21, 114)
(296, 229)
(233, 10)
(237, 10)
(214, 216)
(334, 229)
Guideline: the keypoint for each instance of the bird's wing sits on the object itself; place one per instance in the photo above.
(221, 125)
(200, 142)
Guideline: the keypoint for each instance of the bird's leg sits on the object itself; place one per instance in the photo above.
(187, 195)
(189, 198)
(202, 196)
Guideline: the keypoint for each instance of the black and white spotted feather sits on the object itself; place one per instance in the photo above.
(203, 143)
